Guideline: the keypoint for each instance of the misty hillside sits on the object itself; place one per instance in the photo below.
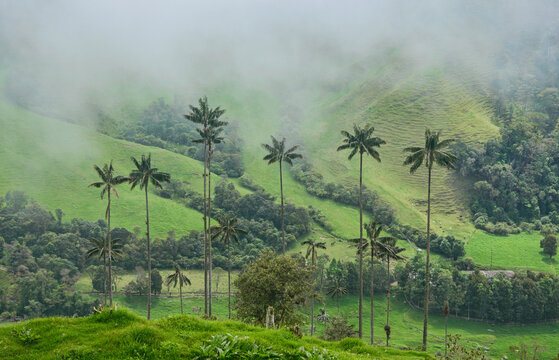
(242, 131)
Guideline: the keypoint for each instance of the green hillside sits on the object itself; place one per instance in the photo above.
(401, 103)
(122, 335)
(51, 161)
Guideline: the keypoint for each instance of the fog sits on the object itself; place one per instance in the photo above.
(88, 51)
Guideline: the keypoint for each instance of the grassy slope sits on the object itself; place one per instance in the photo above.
(122, 335)
(401, 103)
(520, 251)
(52, 162)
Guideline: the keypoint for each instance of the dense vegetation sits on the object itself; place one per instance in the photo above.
(521, 297)
(43, 257)
(517, 174)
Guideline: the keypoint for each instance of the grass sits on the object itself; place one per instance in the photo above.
(51, 161)
(195, 276)
(518, 251)
(123, 335)
(406, 323)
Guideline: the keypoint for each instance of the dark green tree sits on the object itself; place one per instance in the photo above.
(143, 175)
(363, 142)
(432, 153)
(156, 281)
(226, 231)
(549, 245)
(279, 281)
(208, 118)
(312, 247)
(178, 277)
(277, 152)
(108, 184)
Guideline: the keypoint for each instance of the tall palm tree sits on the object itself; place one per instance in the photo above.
(227, 231)
(178, 277)
(336, 290)
(210, 136)
(312, 247)
(142, 176)
(362, 141)
(277, 152)
(377, 245)
(430, 154)
(388, 252)
(99, 249)
(207, 117)
(108, 184)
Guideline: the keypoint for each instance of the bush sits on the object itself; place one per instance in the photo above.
(25, 335)
(234, 347)
(338, 328)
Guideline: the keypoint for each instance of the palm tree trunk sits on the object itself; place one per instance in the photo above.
(372, 291)
(282, 215)
(229, 276)
(360, 246)
(338, 301)
(180, 291)
(205, 235)
(105, 276)
(427, 278)
(109, 242)
(445, 334)
(149, 253)
(312, 298)
(209, 217)
(387, 296)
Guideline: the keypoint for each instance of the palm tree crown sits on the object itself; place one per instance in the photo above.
(227, 229)
(204, 115)
(431, 153)
(362, 141)
(99, 248)
(108, 181)
(277, 152)
(144, 174)
(177, 277)
(312, 247)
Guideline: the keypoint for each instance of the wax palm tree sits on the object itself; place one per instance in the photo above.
(178, 277)
(376, 244)
(108, 184)
(226, 231)
(143, 175)
(336, 290)
(210, 136)
(389, 252)
(363, 142)
(277, 152)
(207, 117)
(98, 248)
(312, 247)
(432, 153)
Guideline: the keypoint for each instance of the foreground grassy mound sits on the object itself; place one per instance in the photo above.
(123, 335)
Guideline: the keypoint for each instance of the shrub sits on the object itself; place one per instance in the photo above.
(25, 335)
(338, 328)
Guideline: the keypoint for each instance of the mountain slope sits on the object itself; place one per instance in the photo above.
(51, 161)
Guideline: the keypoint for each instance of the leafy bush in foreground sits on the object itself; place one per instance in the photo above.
(234, 347)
